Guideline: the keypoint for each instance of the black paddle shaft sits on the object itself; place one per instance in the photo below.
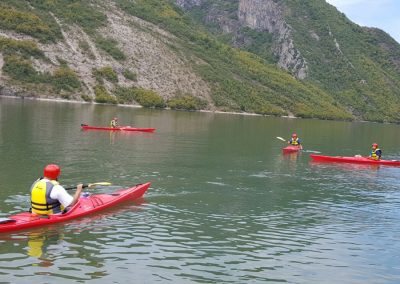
(73, 187)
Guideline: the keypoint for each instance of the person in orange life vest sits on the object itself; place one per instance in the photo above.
(295, 141)
(48, 196)
(376, 153)
(114, 122)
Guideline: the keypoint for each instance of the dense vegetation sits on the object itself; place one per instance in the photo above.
(28, 22)
(146, 98)
(354, 72)
(186, 102)
(103, 96)
(106, 73)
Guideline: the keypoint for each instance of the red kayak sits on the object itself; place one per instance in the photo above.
(85, 206)
(353, 160)
(291, 149)
(120, 128)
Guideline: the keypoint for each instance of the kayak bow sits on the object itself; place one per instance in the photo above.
(120, 128)
(291, 149)
(85, 206)
(354, 160)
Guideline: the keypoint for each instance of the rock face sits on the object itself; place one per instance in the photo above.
(262, 16)
(267, 15)
(188, 4)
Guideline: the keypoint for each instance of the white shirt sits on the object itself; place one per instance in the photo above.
(61, 195)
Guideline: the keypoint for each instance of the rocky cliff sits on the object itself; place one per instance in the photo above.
(188, 4)
(267, 16)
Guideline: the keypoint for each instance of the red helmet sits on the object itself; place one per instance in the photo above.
(115, 118)
(294, 135)
(51, 171)
(375, 145)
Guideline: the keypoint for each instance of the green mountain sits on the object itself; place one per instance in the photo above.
(287, 57)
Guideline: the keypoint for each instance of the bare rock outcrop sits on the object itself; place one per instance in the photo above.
(188, 4)
(262, 16)
(267, 15)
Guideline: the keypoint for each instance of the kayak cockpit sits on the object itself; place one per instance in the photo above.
(7, 220)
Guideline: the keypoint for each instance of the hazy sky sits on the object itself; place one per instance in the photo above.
(383, 14)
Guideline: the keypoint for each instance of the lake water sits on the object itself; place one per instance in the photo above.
(225, 205)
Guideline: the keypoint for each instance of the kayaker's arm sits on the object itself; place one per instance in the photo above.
(77, 194)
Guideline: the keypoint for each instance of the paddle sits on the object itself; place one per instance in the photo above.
(311, 151)
(280, 138)
(307, 151)
(89, 185)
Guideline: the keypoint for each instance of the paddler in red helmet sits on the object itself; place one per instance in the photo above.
(295, 141)
(376, 153)
(48, 196)
(114, 122)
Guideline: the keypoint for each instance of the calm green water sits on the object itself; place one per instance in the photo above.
(225, 206)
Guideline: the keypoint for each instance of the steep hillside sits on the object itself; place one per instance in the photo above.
(358, 67)
(269, 57)
(91, 51)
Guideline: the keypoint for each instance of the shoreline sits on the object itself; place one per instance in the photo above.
(63, 101)
(57, 100)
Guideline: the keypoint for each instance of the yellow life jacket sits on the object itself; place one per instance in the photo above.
(41, 202)
(294, 142)
(374, 155)
(113, 123)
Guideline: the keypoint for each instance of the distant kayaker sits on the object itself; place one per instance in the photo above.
(376, 153)
(114, 122)
(295, 141)
(48, 196)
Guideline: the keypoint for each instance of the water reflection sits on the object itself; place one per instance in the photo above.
(344, 166)
(38, 243)
(291, 157)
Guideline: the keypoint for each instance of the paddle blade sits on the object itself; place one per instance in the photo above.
(312, 151)
(280, 138)
(99, 183)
